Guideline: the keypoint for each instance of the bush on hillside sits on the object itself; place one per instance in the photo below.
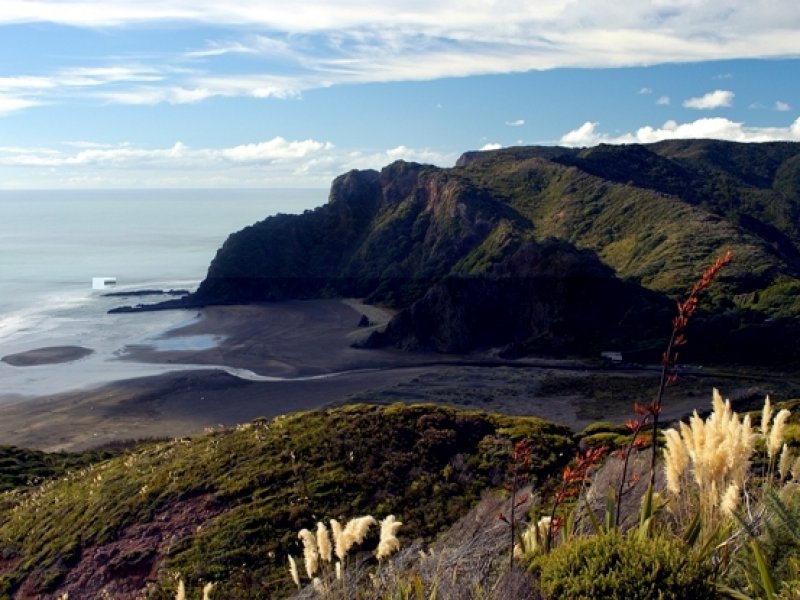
(613, 566)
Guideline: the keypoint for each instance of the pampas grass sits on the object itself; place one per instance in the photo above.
(207, 589)
(356, 531)
(310, 552)
(785, 462)
(709, 460)
(388, 544)
(294, 572)
(338, 539)
(324, 543)
(534, 539)
(775, 437)
(319, 548)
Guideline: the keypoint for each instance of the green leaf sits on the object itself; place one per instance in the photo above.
(763, 570)
(692, 533)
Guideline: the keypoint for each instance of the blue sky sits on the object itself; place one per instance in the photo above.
(261, 93)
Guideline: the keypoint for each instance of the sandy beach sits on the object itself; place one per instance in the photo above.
(290, 356)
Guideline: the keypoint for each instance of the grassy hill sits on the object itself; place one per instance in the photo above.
(226, 506)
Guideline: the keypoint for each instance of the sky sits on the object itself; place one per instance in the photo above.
(267, 93)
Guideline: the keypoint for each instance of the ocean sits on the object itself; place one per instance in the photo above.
(53, 243)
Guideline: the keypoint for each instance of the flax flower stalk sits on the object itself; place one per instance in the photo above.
(669, 359)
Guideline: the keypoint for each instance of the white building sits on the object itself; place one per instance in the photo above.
(101, 283)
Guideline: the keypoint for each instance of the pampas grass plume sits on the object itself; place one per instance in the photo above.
(324, 543)
(775, 438)
(310, 553)
(785, 462)
(676, 460)
(533, 539)
(294, 572)
(338, 539)
(766, 416)
(388, 544)
(181, 593)
(730, 500)
(207, 589)
(354, 532)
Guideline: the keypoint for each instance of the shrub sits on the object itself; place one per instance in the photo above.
(613, 566)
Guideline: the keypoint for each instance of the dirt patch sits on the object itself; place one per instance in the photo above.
(124, 568)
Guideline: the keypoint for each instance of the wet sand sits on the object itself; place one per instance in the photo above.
(308, 344)
(46, 356)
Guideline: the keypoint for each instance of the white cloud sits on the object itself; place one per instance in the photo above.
(25, 83)
(491, 146)
(715, 99)
(402, 152)
(275, 162)
(663, 101)
(585, 135)
(516, 123)
(646, 90)
(11, 104)
(275, 149)
(712, 128)
(782, 106)
(93, 76)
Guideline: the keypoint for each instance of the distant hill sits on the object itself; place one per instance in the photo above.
(547, 249)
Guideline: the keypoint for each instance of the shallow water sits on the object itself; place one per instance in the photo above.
(53, 243)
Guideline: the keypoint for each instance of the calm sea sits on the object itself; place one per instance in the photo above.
(52, 243)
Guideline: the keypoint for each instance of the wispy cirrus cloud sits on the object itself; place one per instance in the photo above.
(10, 104)
(283, 49)
(711, 100)
(719, 128)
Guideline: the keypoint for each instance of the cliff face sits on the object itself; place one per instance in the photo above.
(539, 247)
(386, 236)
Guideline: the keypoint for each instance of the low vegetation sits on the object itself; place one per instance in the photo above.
(226, 507)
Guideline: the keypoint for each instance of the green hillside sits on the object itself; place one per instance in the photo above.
(226, 506)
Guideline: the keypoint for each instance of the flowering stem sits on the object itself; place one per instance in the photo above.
(670, 357)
